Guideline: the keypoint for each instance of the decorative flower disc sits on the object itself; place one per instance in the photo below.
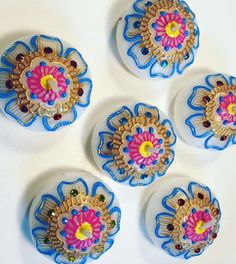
(44, 81)
(138, 146)
(191, 223)
(216, 107)
(163, 37)
(78, 226)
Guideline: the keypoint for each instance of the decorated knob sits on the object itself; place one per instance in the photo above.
(158, 38)
(205, 112)
(74, 219)
(134, 144)
(183, 217)
(45, 82)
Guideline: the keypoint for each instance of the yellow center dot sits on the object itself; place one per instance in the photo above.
(144, 149)
(47, 81)
(173, 29)
(199, 230)
(232, 109)
(82, 230)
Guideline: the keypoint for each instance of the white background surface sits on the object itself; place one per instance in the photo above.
(28, 158)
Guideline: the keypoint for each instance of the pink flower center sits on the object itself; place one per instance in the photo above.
(227, 109)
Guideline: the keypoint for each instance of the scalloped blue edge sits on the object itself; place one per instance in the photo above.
(149, 107)
(187, 65)
(192, 96)
(111, 174)
(116, 113)
(106, 190)
(207, 189)
(10, 92)
(162, 75)
(83, 260)
(6, 109)
(135, 58)
(169, 251)
(48, 252)
(168, 165)
(39, 209)
(192, 127)
(5, 61)
(61, 184)
(214, 75)
(101, 142)
(229, 140)
(140, 183)
(89, 81)
(173, 193)
(158, 224)
(59, 124)
(67, 54)
(116, 209)
(55, 39)
(125, 35)
(110, 243)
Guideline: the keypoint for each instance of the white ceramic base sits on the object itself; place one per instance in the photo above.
(103, 127)
(182, 111)
(156, 207)
(66, 179)
(37, 124)
(124, 44)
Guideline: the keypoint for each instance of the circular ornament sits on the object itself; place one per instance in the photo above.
(75, 219)
(45, 83)
(134, 144)
(183, 217)
(207, 119)
(158, 38)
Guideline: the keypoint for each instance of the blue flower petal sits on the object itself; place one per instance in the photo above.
(197, 36)
(65, 187)
(108, 244)
(52, 125)
(234, 139)
(48, 202)
(170, 202)
(142, 59)
(104, 148)
(87, 85)
(157, 70)
(100, 189)
(39, 42)
(191, 253)
(169, 126)
(143, 180)
(61, 259)
(185, 62)
(195, 101)
(114, 121)
(75, 55)
(195, 123)
(4, 77)
(115, 214)
(140, 6)
(9, 56)
(162, 171)
(214, 142)
(142, 109)
(111, 169)
(212, 80)
(162, 221)
(40, 234)
(232, 80)
(187, 8)
(216, 204)
(195, 188)
(132, 25)
(12, 109)
(169, 246)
